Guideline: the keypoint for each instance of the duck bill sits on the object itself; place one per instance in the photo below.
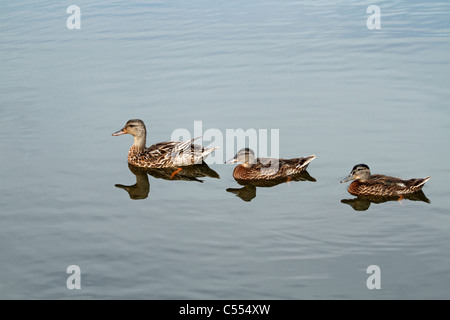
(120, 132)
(348, 178)
(231, 161)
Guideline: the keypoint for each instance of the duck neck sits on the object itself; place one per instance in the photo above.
(249, 161)
(139, 142)
(246, 165)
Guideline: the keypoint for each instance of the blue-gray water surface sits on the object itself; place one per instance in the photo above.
(312, 70)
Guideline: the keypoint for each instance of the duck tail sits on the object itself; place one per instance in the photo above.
(182, 146)
(417, 184)
(304, 162)
(421, 182)
(207, 151)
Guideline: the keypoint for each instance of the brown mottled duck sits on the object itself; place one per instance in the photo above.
(253, 168)
(164, 154)
(379, 185)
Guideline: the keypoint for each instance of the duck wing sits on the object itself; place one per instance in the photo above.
(272, 166)
(297, 163)
(378, 178)
(168, 148)
(180, 147)
(402, 186)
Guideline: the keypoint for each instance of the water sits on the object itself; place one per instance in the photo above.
(312, 70)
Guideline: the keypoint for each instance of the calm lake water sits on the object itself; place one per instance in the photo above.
(312, 70)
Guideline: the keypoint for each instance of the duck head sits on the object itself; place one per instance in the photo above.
(136, 128)
(245, 155)
(359, 172)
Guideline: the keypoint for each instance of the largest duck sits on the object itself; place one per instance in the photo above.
(163, 154)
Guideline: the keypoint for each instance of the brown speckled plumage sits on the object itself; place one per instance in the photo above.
(266, 168)
(379, 185)
(164, 154)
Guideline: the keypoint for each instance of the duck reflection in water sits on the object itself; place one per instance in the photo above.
(362, 203)
(248, 191)
(141, 188)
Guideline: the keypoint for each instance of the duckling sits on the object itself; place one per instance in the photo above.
(162, 154)
(253, 168)
(379, 185)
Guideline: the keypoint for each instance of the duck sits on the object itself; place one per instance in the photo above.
(169, 154)
(366, 184)
(253, 168)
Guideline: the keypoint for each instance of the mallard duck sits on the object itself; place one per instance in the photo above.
(163, 154)
(379, 185)
(253, 168)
